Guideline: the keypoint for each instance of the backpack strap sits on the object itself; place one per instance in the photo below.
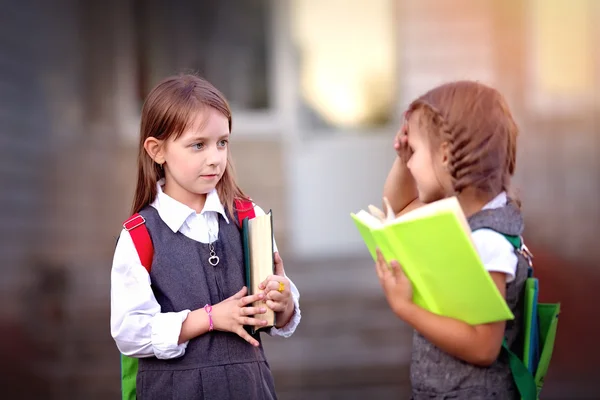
(522, 374)
(519, 244)
(136, 226)
(522, 377)
(245, 209)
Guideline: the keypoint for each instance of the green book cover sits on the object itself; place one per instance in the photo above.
(433, 244)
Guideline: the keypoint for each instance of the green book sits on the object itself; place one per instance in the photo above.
(434, 247)
(257, 238)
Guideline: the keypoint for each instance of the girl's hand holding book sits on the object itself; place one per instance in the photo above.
(278, 294)
(395, 284)
(232, 314)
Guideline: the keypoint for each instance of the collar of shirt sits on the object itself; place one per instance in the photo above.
(175, 214)
(497, 202)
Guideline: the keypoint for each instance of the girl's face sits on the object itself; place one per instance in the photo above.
(195, 161)
(428, 166)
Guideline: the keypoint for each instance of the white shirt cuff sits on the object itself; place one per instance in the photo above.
(288, 329)
(166, 328)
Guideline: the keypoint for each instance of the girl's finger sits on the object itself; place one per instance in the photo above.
(387, 273)
(378, 264)
(279, 270)
(252, 321)
(276, 296)
(246, 336)
(383, 265)
(272, 278)
(398, 270)
(244, 301)
(252, 310)
(277, 307)
(263, 284)
(275, 285)
(240, 294)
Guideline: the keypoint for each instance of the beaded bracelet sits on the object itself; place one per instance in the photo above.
(208, 310)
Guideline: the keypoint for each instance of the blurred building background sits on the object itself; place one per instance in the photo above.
(317, 89)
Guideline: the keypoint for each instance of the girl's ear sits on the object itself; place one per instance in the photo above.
(154, 148)
(445, 155)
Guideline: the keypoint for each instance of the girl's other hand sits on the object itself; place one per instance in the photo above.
(396, 286)
(277, 288)
(278, 294)
(401, 143)
(232, 314)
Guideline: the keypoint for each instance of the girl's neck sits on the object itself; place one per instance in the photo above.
(192, 200)
(472, 200)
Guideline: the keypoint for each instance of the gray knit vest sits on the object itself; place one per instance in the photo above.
(216, 365)
(438, 375)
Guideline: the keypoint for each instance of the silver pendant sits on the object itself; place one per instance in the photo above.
(213, 259)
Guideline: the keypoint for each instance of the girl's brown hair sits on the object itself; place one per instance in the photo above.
(476, 122)
(168, 110)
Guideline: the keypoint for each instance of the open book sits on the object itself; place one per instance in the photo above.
(257, 234)
(433, 245)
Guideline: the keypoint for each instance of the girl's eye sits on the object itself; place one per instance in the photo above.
(198, 146)
(223, 143)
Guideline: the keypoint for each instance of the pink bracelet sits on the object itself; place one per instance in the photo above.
(208, 310)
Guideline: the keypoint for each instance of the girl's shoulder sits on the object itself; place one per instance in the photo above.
(496, 252)
(490, 239)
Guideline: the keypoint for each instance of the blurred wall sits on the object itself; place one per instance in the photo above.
(72, 79)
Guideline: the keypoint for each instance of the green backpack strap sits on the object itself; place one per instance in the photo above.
(524, 381)
(522, 375)
(530, 370)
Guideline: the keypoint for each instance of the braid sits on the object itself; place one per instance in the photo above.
(464, 152)
(475, 122)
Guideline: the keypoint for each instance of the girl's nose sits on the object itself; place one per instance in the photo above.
(213, 157)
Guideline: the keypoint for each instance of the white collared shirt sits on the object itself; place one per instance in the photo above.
(496, 252)
(137, 324)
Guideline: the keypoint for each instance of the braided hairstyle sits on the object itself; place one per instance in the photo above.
(477, 124)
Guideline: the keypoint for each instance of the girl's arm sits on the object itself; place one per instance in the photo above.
(478, 345)
(400, 188)
(136, 322)
(288, 320)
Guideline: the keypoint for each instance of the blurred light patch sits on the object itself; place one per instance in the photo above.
(563, 42)
(347, 59)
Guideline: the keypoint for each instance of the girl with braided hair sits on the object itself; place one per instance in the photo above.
(459, 139)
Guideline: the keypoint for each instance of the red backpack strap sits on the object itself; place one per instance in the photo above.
(136, 226)
(245, 209)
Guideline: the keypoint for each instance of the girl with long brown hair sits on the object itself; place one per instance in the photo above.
(184, 318)
(459, 139)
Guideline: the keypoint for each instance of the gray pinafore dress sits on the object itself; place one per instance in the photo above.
(216, 365)
(438, 375)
